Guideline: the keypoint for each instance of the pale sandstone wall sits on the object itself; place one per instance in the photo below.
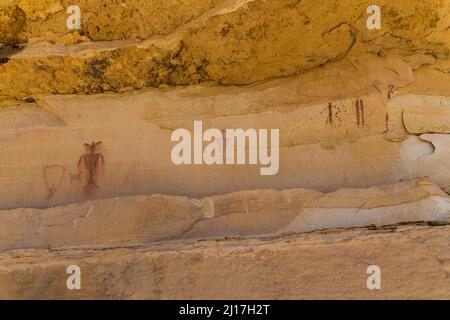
(415, 262)
(137, 70)
(133, 220)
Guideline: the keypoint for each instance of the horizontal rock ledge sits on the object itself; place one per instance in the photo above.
(414, 263)
(142, 219)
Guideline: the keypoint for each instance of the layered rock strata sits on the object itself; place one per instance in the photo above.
(363, 117)
(414, 259)
(141, 219)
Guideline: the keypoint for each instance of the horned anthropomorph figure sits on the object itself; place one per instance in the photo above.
(89, 164)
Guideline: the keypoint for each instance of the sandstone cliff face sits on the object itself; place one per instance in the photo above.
(234, 43)
(325, 265)
(133, 220)
(364, 120)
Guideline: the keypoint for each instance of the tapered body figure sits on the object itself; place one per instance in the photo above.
(89, 164)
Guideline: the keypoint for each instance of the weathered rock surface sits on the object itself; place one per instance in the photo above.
(364, 118)
(417, 114)
(142, 219)
(414, 260)
(13, 22)
(214, 47)
(314, 153)
(109, 20)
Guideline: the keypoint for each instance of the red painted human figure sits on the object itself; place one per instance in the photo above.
(360, 113)
(91, 161)
(333, 113)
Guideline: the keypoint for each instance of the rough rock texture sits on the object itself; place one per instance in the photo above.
(13, 23)
(215, 47)
(113, 20)
(415, 264)
(142, 219)
(364, 119)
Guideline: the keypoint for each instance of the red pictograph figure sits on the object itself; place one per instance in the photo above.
(386, 123)
(332, 115)
(360, 113)
(53, 177)
(89, 164)
(391, 91)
